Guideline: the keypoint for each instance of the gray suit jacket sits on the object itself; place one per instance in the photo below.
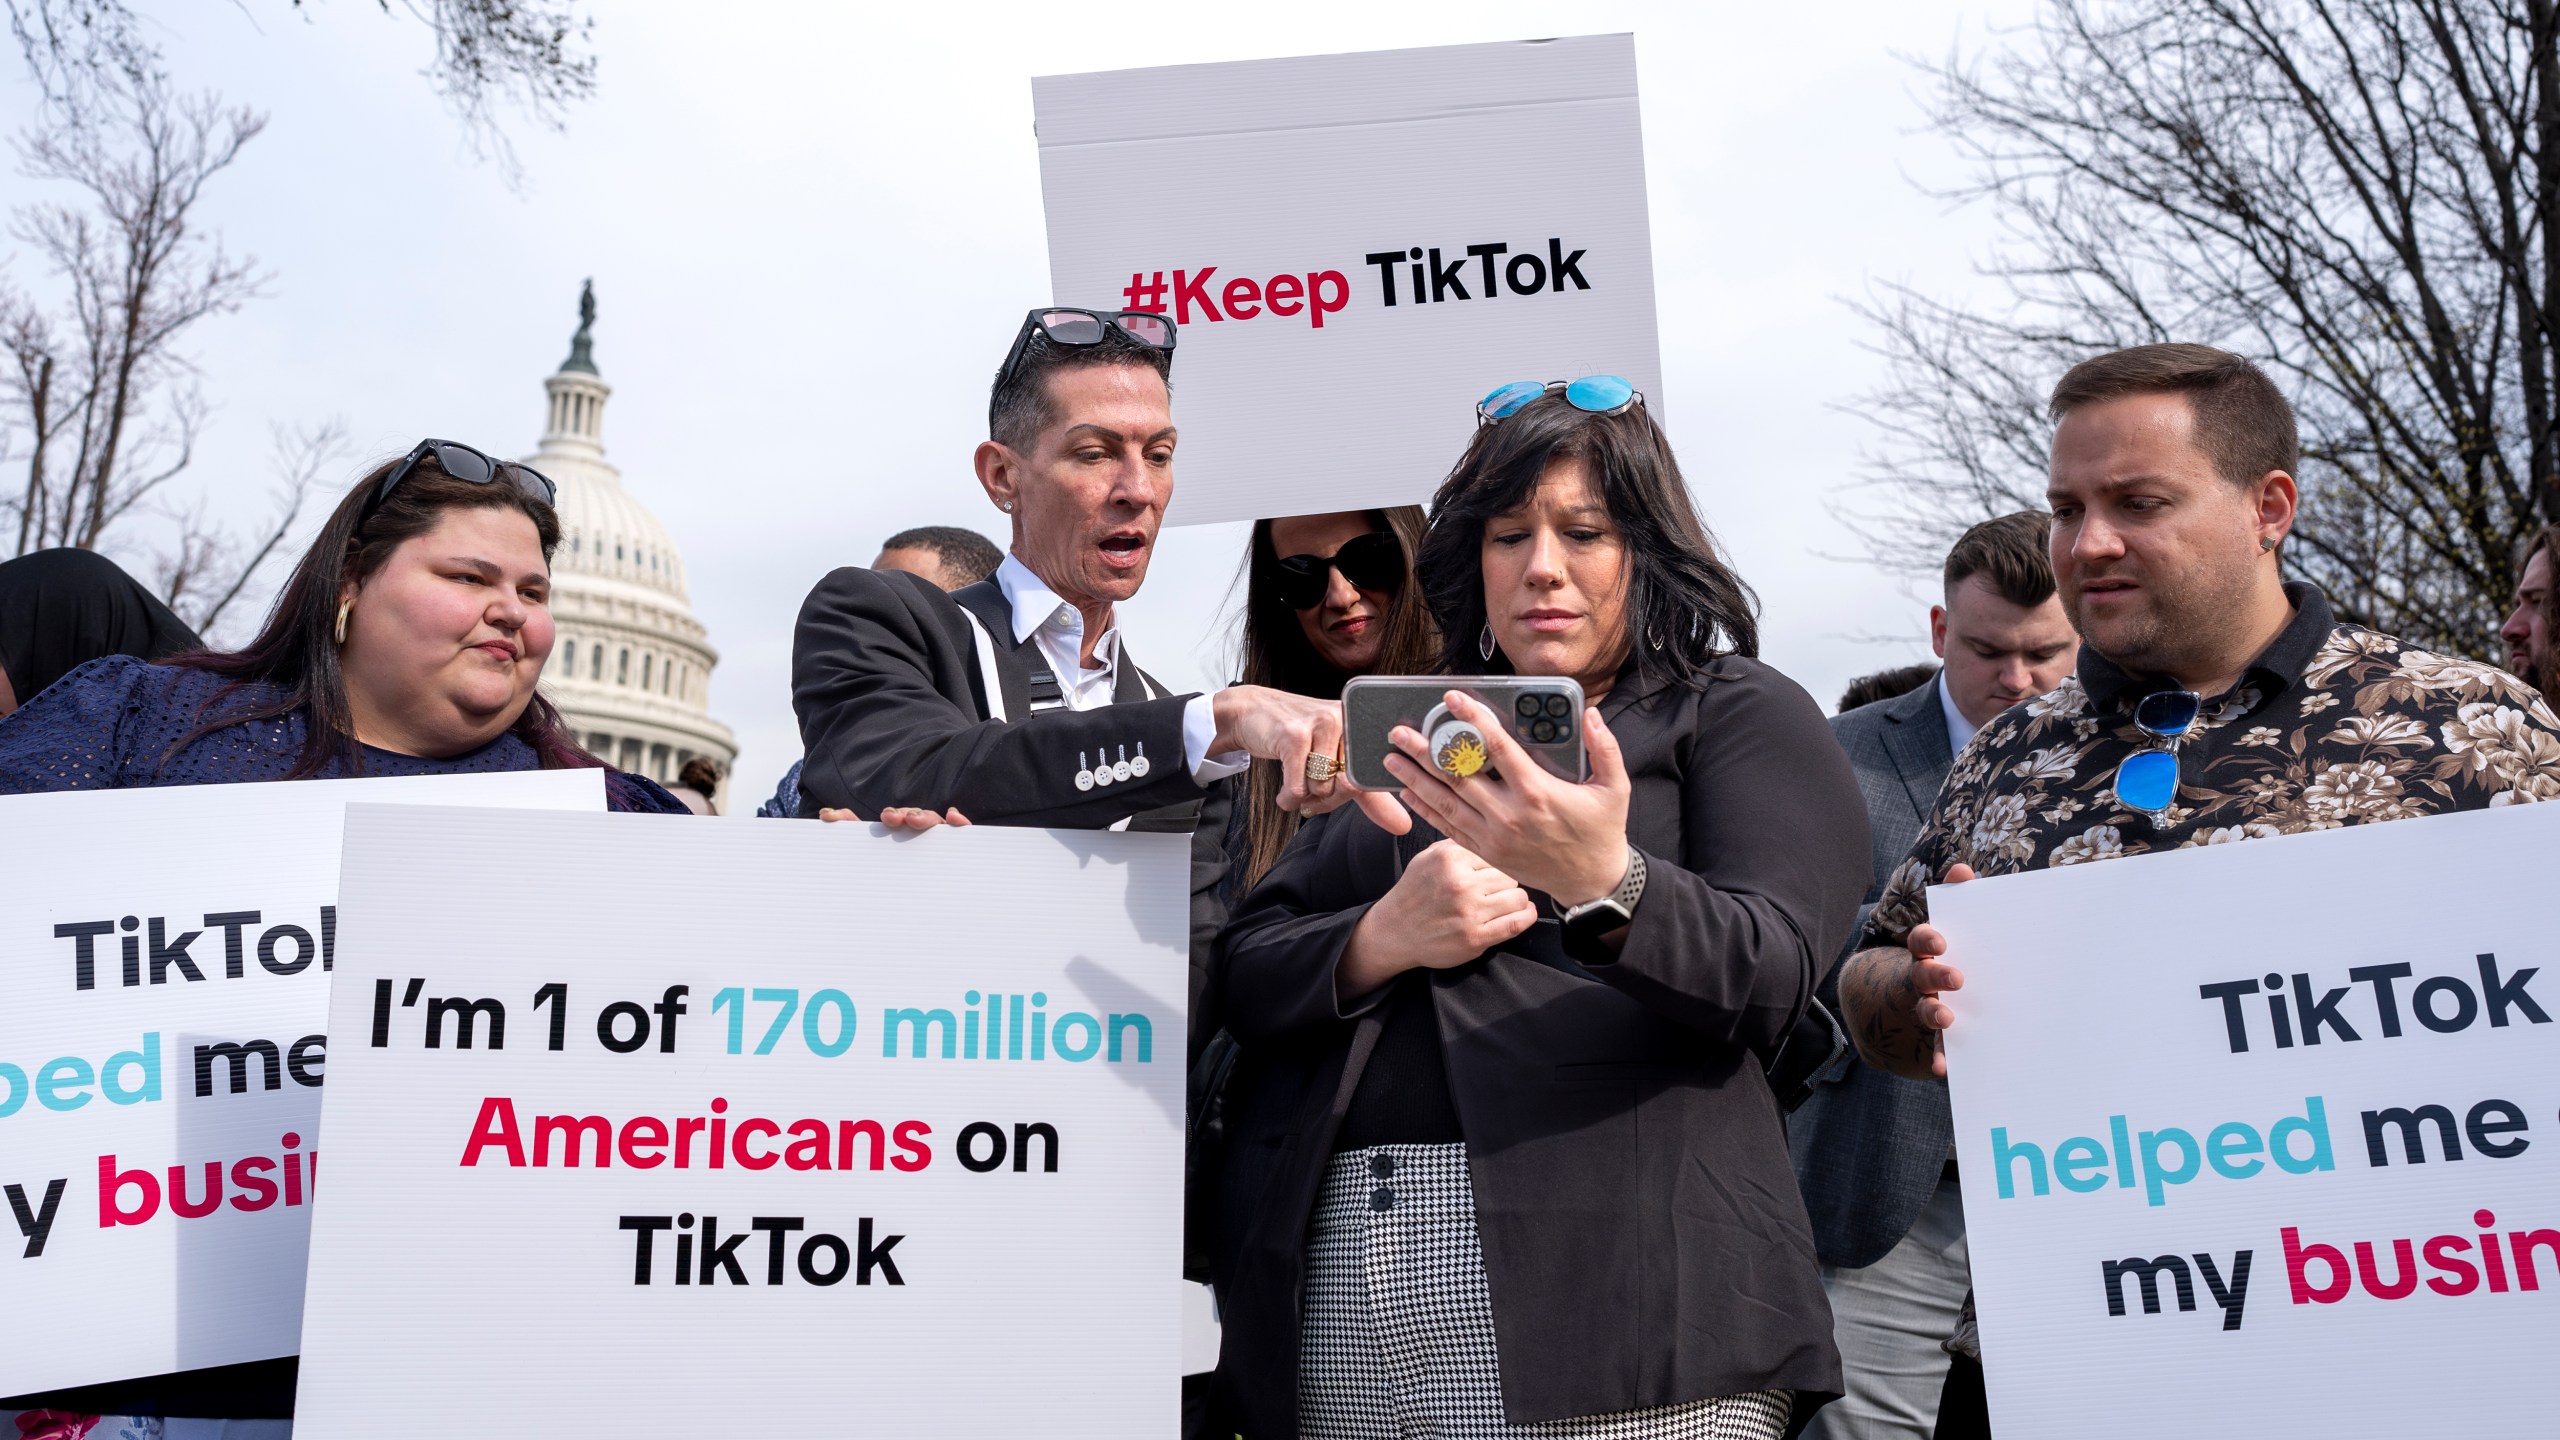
(1869, 1147)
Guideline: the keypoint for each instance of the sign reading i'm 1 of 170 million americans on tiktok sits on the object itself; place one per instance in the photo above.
(737, 1125)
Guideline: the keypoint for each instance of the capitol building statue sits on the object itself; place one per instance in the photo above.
(630, 668)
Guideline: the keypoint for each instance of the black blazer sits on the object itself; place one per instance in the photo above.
(1869, 1147)
(894, 710)
(1643, 1240)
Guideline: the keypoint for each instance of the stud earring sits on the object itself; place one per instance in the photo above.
(1484, 641)
(2266, 542)
(343, 607)
(1005, 505)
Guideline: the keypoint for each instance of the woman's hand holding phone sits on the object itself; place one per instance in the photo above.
(1550, 834)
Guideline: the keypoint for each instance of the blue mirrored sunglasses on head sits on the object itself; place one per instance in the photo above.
(1597, 394)
(2147, 781)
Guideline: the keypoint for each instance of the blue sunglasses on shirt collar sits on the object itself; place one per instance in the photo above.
(2147, 781)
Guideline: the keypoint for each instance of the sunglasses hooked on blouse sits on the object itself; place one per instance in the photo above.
(1374, 561)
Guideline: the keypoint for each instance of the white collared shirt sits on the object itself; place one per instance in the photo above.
(1040, 616)
(1960, 731)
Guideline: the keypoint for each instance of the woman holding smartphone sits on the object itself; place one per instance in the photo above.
(1508, 1164)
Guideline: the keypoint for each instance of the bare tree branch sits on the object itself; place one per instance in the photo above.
(2353, 192)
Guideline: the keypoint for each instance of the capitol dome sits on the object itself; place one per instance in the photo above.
(631, 667)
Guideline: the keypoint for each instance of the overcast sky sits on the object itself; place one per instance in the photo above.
(813, 228)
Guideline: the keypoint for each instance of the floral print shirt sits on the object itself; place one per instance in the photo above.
(2332, 725)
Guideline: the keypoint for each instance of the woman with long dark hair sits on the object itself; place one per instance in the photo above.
(1504, 1159)
(408, 641)
(1327, 597)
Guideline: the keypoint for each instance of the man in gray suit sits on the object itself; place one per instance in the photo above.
(1873, 1152)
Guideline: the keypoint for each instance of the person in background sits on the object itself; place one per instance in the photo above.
(61, 609)
(1327, 597)
(1873, 1151)
(950, 557)
(408, 641)
(1885, 685)
(697, 785)
(947, 555)
(2172, 490)
(2532, 631)
(1503, 1158)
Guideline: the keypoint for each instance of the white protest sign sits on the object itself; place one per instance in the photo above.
(1356, 248)
(729, 1127)
(2264, 1139)
(165, 958)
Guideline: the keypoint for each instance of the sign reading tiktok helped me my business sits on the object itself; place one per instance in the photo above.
(742, 1128)
(165, 961)
(2263, 1138)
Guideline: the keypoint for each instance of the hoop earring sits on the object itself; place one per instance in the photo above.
(343, 607)
(1653, 636)
(1484, 641)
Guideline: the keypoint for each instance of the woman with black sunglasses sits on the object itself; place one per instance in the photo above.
(1327, 597)
(407, 641)
(1503, 1156)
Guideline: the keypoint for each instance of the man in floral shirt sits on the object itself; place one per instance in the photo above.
(2172, 488)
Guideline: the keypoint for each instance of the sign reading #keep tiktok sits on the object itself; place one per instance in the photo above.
(2264, 1138)
(1356, 248)
(731, 1127)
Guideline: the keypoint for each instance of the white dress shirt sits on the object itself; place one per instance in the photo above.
(1039, 615)
(1959, 729)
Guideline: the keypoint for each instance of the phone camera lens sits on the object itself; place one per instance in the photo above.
(1559, 706)
(1527, 706)
(1542, 731)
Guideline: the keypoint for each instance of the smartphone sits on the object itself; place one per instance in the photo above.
(1543, 714)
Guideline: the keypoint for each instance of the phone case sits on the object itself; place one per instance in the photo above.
(1544, 715)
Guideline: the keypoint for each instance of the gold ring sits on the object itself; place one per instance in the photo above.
(1320, 768)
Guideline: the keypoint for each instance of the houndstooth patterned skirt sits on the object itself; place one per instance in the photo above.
(1398, 1341)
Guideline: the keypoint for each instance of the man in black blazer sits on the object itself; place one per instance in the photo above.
(1874, 1152)
(1014, 701)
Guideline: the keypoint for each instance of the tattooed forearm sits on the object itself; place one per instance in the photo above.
(1880, 1004)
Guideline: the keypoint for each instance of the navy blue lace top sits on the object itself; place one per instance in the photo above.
(110, 725)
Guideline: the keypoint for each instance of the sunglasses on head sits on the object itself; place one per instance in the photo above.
(2147, 781)
(465, 464)
(1374, 561)
(1078, 329)
(1593, 394)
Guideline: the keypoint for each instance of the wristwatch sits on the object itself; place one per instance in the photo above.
(1585, 924)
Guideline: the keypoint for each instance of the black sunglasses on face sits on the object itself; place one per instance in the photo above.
(1077, 329)
(1374, 561)
(465, 464)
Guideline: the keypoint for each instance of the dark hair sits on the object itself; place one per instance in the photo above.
(1276, 653)
(701, 773)
(298, 649)
(1685, 606)
(1890, 684)
(2243, 422)
(2545, 541)
(968, 555)
(2013, 555)
(1019, 406)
